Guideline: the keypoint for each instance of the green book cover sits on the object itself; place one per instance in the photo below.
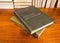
(33, 18)
(17, 21)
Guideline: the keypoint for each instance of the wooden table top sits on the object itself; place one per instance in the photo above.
(11, 33)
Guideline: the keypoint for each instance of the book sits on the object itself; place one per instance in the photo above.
(40, 3)
(39, 33)
(5, 0)
(37, 3)
(3, 3)
(6, 4)
(22, 3)
(33, 18)
(43, 3)
(22, 0)
(19, 23)
(17, 3)
(20, 6)
(33, 2)
(48, 3)
(58, 4)
(53, 3)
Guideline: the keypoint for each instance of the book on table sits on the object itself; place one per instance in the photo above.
(33, 18)
(19, 23)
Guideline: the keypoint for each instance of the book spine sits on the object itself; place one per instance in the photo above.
(8, 3)
(28, 4)
(17, 6)
(53, 3)
(37, 3)
(33, 2)
(48, 3)
(58, 4)
(5, 0)
(6, 6)
(43, 3)
(22, 0)
(22, 3)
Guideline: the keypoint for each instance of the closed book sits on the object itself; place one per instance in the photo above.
(43, 3)
(38, 33)
(40, 3)
(19, 23)
(48, 3)
(37, 3)
(23, 4)
(8, 3)
(58, 4)
(33, 2)
(20, 6)
(22, 0)
(5, 0)
(53, 3)
(6, 6)
(33, 18)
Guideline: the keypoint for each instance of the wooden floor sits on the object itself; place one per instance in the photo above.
(11, 33)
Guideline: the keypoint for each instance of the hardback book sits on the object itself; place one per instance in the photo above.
(44, 3)
(40, 3)
(53, 3)
(37, 3)
(6, 4)
(18, 6)
(22, 0)
(33, 2)
(3, 3)
(5, 0)
(23, 4)
(48, 3)
(58, 4)
(18, 22)
(39, 33)
(33, 18)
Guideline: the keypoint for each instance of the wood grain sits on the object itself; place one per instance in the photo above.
(11, 33)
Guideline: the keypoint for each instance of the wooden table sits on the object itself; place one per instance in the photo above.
(11, 33)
